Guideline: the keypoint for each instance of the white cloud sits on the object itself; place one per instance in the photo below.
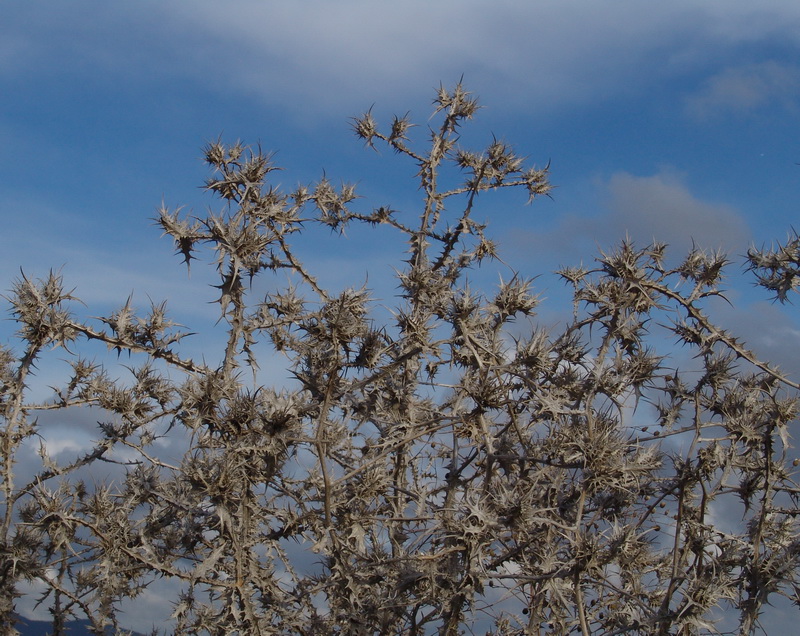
(55, 446)
(769, 330)
(318, 57)
(533, 54)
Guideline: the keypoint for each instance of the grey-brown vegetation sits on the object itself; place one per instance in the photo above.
(455, 467)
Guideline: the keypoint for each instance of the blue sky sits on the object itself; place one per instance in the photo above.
(676, 121)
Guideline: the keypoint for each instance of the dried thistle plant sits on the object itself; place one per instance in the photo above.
(443, 472)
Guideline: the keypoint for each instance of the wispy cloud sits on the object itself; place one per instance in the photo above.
(657, 207)
(744, 89)
(531, 55)
(661, 207)
(317, 57)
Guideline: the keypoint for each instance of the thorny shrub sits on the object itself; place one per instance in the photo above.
(432, 474)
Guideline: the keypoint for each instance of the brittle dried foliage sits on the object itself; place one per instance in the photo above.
(445, 471)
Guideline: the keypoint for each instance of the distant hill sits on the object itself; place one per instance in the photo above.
(28, 627)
